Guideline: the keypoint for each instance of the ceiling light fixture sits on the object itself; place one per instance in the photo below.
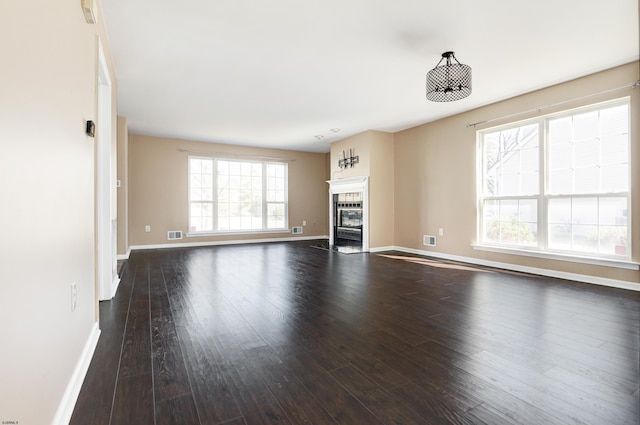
(448, 82)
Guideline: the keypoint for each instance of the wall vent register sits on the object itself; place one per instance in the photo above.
(428, 240)
(174, 234)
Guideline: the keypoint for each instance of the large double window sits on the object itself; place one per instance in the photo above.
(558, 183)
(236, 196)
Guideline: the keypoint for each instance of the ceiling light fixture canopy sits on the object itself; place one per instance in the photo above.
(448, 82)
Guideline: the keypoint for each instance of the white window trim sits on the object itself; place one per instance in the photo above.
(575, 257)
(204, 233)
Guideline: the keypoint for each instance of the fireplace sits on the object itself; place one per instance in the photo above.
(349, 216)
(347, 223)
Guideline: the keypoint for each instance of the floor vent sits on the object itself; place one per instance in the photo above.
(296, 230)
(174, 234)
(428, 240)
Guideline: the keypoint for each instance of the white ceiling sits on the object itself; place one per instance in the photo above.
(278, 73)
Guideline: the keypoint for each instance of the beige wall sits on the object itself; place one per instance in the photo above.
(381, 189)
(375, 150)
(123, 190)
(159, 189)
(48, 77)
(360, 146)
(435, 173)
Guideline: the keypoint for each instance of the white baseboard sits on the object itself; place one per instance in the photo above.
(229, 242)
(383, 248)
(68, 402)
(124, 256)
(114, 286)
(613, 283)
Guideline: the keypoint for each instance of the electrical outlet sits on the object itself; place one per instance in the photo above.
(147, 228)
(304, 222)
(441, 232)
(74, 296)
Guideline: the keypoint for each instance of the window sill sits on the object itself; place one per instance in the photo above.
(237, 232)
(607, 262)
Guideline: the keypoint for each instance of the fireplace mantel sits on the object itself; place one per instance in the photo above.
(350, 184)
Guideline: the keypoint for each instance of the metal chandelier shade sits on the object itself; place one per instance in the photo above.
(448, 82)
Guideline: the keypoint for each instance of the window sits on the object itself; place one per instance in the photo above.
(229, 195)
(558, 183)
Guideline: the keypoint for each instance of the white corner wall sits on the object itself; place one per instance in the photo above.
(48, 79)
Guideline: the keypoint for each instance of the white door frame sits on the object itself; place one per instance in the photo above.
(106, 224)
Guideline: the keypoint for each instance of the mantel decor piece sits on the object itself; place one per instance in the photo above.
(448, 82)
(347, 161)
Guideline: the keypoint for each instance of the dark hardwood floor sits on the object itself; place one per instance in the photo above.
(289, 334)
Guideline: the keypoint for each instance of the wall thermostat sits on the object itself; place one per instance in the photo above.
(91, 128)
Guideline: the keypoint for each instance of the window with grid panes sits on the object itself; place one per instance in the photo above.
(229, 195)
(558, 183)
